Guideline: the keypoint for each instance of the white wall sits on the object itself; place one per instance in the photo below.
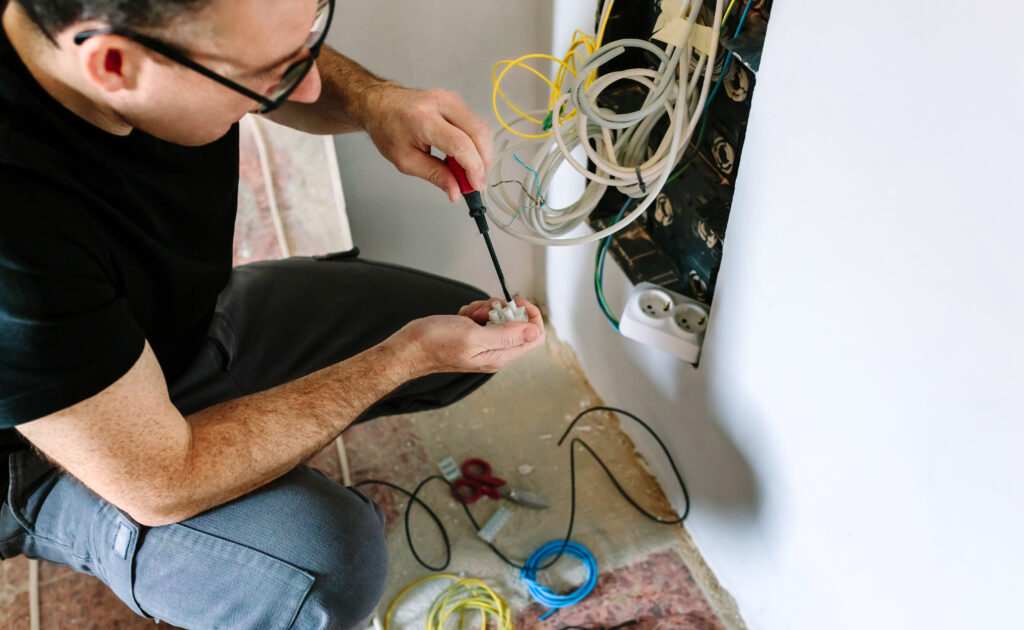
(854, 436)
(449, 44)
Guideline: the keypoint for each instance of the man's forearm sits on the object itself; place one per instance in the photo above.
(346, 98)
(240, 445)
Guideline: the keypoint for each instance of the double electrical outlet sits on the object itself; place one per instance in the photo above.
(666, 320)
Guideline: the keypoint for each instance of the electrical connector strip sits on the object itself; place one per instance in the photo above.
(449, 469)
(494, 524)
(511, 312)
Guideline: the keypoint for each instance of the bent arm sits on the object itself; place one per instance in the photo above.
(346, 98)
(403, 123)
(130, 445)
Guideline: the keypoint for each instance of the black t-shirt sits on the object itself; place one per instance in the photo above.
(105, 241)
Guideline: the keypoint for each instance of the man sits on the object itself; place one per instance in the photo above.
(169, 399)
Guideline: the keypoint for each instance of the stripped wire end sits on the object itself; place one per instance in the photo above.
(538, 202)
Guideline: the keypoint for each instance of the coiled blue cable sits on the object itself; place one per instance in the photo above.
(546, 596)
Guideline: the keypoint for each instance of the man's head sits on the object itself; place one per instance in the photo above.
(249, 42)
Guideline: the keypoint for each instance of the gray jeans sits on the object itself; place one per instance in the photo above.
(302, 551)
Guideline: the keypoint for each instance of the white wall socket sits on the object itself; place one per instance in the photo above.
(666, 320)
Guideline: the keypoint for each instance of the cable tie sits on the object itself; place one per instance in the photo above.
(640, 180)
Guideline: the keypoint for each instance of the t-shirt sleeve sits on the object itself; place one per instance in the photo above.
(66, 333)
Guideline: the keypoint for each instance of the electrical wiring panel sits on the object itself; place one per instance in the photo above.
(678, 244)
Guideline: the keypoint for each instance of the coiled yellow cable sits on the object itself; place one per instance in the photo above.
(565, 64)
(464, 595)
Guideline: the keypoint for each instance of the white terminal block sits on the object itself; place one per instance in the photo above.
(508, 313)
(668, 321)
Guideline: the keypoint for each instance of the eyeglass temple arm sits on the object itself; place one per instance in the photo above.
(172, 54)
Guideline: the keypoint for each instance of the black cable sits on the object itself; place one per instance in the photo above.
(664, 449)
(572, 505)
(408, 534)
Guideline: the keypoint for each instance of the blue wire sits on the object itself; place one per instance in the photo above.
(544, 595)
(743, 18)
(536, 178)
(725, 66)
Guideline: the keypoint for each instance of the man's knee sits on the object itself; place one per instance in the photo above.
(303, 552)
(352, 570)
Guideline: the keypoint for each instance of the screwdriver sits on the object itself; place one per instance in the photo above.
(477, 210)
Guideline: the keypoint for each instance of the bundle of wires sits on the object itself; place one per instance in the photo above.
(602, 249)
(464, 595)
(617, 144)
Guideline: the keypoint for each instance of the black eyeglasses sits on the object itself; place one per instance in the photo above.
(290, 80)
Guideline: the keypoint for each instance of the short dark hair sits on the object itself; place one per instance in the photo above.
(53, 16)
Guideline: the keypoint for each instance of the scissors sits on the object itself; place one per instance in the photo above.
(477, 481)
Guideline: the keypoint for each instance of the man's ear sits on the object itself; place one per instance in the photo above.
(111, 62)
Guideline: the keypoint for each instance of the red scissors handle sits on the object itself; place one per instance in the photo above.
(476, 481)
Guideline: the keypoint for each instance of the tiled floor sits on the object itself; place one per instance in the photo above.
(514, 421)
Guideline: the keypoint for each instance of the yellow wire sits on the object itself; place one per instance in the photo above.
(604, 22)
(464, 594)
(567, 63)
(726, 16)
(497, 90)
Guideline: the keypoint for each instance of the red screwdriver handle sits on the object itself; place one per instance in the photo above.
(460, 175)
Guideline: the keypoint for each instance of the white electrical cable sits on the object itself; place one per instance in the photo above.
(620, 140)
(268, 184)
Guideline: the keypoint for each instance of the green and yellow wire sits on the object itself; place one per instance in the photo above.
(566, 66)
(464, 596)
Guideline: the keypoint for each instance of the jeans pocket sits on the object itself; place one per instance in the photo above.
(113, 544)
(197, 580)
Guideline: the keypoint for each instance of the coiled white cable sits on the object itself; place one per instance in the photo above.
(620, 141)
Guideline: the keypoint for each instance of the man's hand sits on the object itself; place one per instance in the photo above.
(458, 343)
(405, 123)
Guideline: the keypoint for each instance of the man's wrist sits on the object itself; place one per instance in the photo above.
(402, 359)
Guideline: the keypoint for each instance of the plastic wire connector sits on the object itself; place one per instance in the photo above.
(449, 469)
(510, 312)
(544, 595)
(494, 524)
